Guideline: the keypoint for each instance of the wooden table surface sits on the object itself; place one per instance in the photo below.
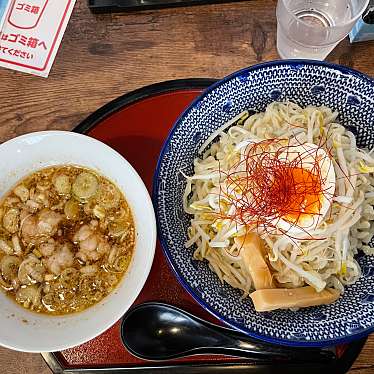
(102, 57)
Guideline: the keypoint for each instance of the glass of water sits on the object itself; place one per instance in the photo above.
(312, 28)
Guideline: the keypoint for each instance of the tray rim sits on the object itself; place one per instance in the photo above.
(139, 94)
(338, 367)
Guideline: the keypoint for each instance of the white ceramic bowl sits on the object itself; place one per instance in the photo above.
(31, 332)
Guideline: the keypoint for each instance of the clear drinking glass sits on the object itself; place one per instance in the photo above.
(312, 28)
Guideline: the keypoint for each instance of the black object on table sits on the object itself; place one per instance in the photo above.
(107, 6)
(159, 331)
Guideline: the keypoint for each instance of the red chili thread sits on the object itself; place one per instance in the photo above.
(267, 185)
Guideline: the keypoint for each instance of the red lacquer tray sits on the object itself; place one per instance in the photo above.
(136, 125)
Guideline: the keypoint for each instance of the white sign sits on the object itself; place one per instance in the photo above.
(32, 34)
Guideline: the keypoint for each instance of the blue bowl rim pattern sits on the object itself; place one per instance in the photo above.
(182, 281)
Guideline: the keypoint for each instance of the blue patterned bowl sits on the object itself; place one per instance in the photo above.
(305, 82)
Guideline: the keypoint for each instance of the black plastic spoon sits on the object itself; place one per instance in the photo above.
(156, 331)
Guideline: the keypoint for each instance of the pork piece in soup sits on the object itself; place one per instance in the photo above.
(67, 237)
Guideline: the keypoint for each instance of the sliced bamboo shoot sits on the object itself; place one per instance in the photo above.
(253, 255)
(285, 298)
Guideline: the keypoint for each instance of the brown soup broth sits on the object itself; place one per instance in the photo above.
(67, 237)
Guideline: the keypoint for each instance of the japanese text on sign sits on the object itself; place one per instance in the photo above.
(28, 8)
(32, 34)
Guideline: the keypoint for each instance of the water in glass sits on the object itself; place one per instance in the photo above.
(306, 27)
